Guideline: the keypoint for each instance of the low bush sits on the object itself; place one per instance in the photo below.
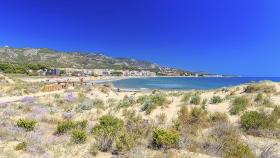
(225, 133)
(239, 150)
(221, 139)
(196, 100)
(138, 127)
(87, 104)
(260, 87)
(84, 105)
(216, 100)
(190, 122)
(263, 100)
(106, 131)
(28, 125)
(152, 102)
(21, 146)
(239, 104)
(65, 126)
(165, 138)
(125, 141)
(217, 117)
(254, 120)
(127, 102)
(199, 116)
(79, 136)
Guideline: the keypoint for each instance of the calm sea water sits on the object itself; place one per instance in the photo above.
(184, 83)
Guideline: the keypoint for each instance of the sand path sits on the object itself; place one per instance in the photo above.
(4, 100)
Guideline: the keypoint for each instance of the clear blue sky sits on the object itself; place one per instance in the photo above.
(219, 36)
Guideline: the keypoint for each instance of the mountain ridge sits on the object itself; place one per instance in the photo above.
(79, 60)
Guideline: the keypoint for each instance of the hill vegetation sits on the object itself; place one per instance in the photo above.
(20, 58)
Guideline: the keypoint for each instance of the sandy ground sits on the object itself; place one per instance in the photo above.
(66, 149)
(9, 99)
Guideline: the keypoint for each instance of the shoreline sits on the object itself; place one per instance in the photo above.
(101, 78)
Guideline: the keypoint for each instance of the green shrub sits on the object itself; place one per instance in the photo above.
(260, 87)
(84, 105)
(79, 136)
(125, 141)
(127, 102)
(137, 127)
(28, 125)
(216, 100)
(165, 138)
(239, 150)
(191, 121)
(106, 131)
(21, 146)
(152, 102)
(184, 116)
(254, 120)
(218, 117)
(239, 104)
(199, 115)
(65, 126)
(196, 100)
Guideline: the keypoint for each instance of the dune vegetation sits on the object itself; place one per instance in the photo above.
(96, 121)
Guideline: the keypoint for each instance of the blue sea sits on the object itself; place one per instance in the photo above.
(186, 83)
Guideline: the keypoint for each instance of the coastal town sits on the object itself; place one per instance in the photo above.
(113, 72)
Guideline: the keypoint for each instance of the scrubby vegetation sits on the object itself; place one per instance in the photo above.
(65, 126)
(216, 100)
(106, 131)
(218, 117)
(260, 87)
(190, 121)
(239, 104)
(254, 120)
(196, 100)
(21, 68)
(86, 122)
(257, 123)
(21, 146)
(28, 125)
(79, 136)
(165, 138)
(239, 150)
(126, 102)
(152, 102)
(225, 138)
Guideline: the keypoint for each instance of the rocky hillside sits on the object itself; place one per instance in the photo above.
(71, 59)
